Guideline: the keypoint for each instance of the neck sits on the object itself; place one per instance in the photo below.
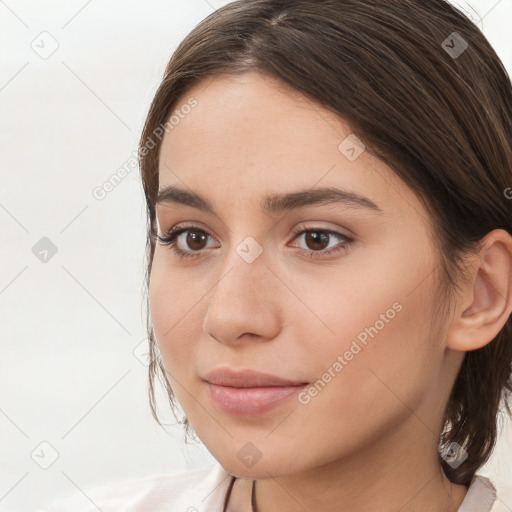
(398, 472)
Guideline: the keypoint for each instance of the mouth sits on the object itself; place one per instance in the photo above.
(249, 393)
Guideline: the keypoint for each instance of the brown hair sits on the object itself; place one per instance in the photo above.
(441, 119)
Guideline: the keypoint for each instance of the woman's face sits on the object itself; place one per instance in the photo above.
(337, 293)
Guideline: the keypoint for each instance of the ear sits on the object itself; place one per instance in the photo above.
(485, 302)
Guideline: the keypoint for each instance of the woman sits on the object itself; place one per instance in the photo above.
(329, 258)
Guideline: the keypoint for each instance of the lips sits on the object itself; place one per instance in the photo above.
(248, 393)
(247, 379)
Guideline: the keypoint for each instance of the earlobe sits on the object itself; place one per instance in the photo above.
(485, 303)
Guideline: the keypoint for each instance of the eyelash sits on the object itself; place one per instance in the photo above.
(173, 233)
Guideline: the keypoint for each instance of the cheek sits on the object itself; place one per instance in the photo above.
(173, 309)
(377, 353)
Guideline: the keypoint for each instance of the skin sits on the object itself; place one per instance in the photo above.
(371, 434)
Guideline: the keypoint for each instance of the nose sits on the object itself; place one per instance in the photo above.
(244, 303)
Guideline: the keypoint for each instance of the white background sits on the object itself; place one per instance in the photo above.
(68, 328)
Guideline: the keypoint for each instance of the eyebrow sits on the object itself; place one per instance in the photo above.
(275, 202)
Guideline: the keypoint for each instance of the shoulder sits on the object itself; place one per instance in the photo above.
(192, 490)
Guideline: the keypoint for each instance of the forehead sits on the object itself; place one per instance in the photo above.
(249, 135)
(251, 111)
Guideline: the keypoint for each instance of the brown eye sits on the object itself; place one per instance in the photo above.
(195, 240)
(316, 241)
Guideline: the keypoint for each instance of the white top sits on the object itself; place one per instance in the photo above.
(206, 490)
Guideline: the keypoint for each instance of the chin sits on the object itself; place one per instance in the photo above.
(258, 471)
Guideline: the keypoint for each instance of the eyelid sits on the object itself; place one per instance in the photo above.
(299, 229)
(172, 235)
